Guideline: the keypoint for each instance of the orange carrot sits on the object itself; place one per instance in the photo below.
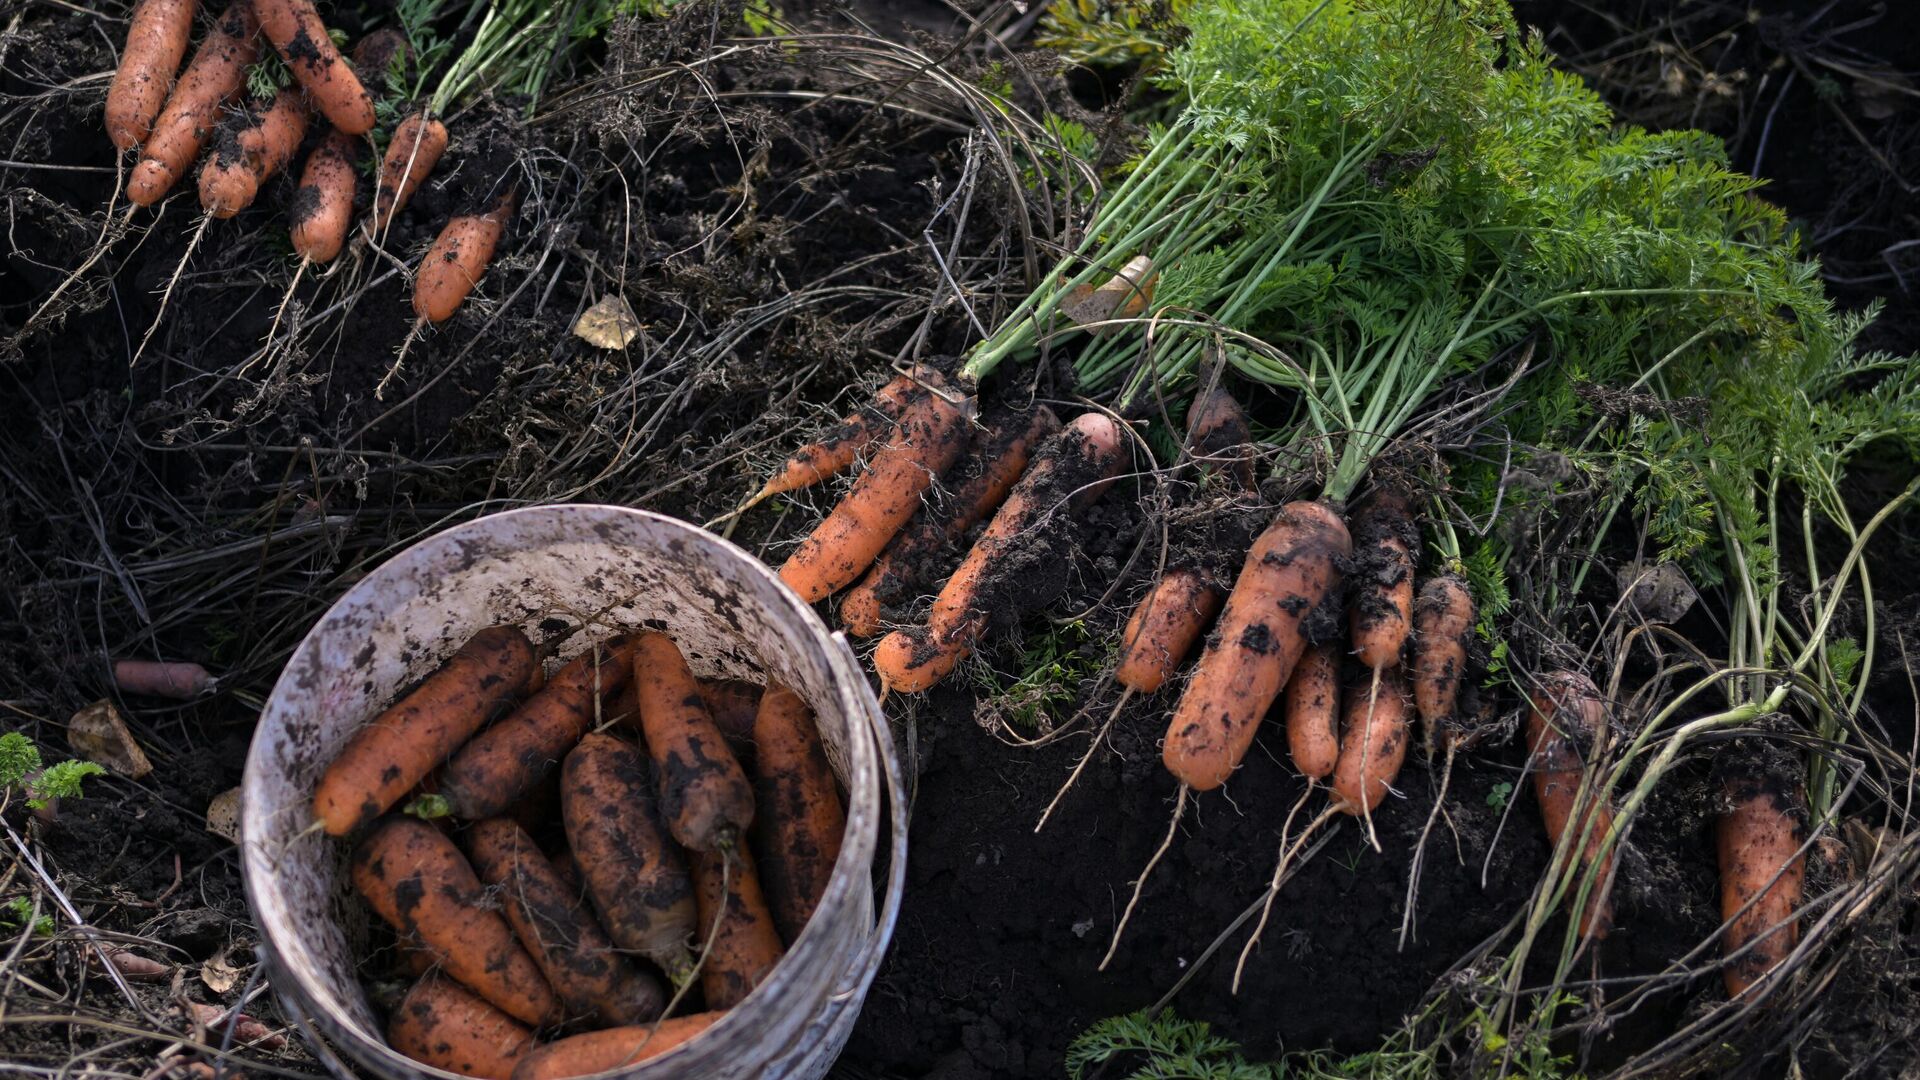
(394, 752)
(1313, 712)
(510, 758)
(705, 797)
(1374, 745)
(1165, 626)
(1075, 467)
(456, 261)
(1566, 717)
(579, 961)
(411, 155)
(323, 203)
(1260, 638)
(1759, 836)
(733, 703)
(157, 37)
(798, 820)
(636, 877)
(295, 30)
(931, 435)
(614, 1048)
(243, 160)
(745, 945)
(1443, 625)
(836, 450)
(1220, 439)
(440, 1024)
(415, 879)
(215, 75)
(996, 459)
(1380, 600)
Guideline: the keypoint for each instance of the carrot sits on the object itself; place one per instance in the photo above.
(243, 160)
(1442, 626)
(295, 30)
(215, 75)
(1075, 467)
(996, 459)
(614, 1048)
(636, 877)
(416, 880)
(456, 261)
(568, 872)
(734, 915)
(579, 961)
(1219, 438)
(799, 821)
(1165, 626)
(416, 147)
(440, 1024)
(1762, 870)
(323, 203)
(1380, 603)
(733, 703)
(705, 797)
(1374, 745)
(836, 450)
(157, 37)
(931, 435)
(387, 757)
(159, 678)
(1566, 715)
(1313, 712)
(510, 758)
(1260, 638)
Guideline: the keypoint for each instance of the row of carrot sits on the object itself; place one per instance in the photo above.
(169, 123)
(680, 870)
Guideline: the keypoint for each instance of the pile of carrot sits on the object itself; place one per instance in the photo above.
(585, 868)
(169, 123)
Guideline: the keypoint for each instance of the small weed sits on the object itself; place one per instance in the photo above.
(21, 769)
(1054, 667)
(1498, 795)
(17, 913)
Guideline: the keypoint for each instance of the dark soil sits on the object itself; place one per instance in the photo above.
(773, 255)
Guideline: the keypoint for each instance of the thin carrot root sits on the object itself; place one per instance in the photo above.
(167, 296)
(1098, 738)
(1173, 826)
(1287, 853)
(1420, 848)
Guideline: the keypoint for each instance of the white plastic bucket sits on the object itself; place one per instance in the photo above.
(625, 568)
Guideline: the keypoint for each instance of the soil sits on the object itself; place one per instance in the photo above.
(774, 258)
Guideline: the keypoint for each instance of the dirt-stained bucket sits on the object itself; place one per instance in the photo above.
(549, 569)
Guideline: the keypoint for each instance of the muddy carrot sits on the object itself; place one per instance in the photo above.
(705, 797)
(458, 258)
(1380, 595)
(995, 461)
(1165, 626)
(509, 759)
(415, 149)
(386, 758)
(931, 434)
(635, 875)
(614, 1048)
(1442, 626)
(179, 680)
(1220, 439)
(323, 203)
(1312, 706)
(1075, 467)
(215, 75)
(745, 945)
(1259, 641)
(733, 703)
(243, 160)
(1566, 716)
(295, 30)
(798, 820)
(1759, 835)
(440, 1024)
(416, 879)
(1374, 745)
(157, 37)
(590, 977)
(838, 448)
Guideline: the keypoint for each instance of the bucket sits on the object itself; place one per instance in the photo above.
(548, 569)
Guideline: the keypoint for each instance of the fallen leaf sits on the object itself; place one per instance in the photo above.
(608, 324)
(1658, 592)
(219, 975)
(1883, 93)
(1123, 295)
(99, 734)
(223, 815)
